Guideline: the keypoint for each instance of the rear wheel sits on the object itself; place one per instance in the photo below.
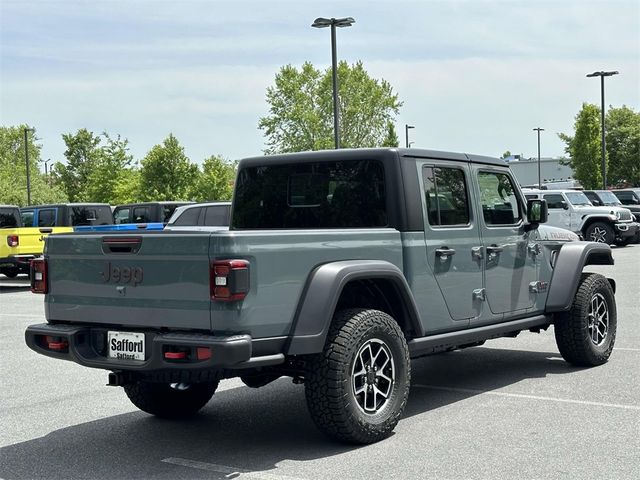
(9, 272)
(586, 333)
(357, 388)
(170, 400)
(600, 232)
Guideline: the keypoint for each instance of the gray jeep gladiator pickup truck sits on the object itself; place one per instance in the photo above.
(338, 268)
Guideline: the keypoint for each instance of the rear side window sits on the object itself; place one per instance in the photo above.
(47, 217)
(500, 204)
(217, 216)
(446, 196)
(189, 217)
(554, 200)
(340, 194)
(27, 218)
(141, 215)
(121, 215)
(167, 211)
(626, 198)
(9, 218)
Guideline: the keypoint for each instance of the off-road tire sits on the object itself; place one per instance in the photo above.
(571, 328)
(163, 400)
(600, 232)
(330, 394)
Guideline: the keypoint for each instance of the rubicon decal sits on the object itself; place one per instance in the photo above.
(124, 274)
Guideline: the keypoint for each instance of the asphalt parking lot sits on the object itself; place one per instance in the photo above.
(512, 408)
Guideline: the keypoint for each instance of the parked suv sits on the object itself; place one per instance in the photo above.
(146, 212)
(630, 198)
(338, 268)
(607, 198)
(200, 216)
(66, 215)
(572, 210)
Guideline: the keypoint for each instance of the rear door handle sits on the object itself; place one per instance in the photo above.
(492, 250)
(445, 252)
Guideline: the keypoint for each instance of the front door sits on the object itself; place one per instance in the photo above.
(452, 237)
(510, 252)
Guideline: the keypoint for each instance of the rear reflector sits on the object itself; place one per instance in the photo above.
(56, 343)
(13, 240)
(175, 355)
(38, 274)
(203, 353)
(229, 280)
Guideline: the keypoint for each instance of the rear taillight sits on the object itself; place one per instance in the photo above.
(229, 280)
(39, 276)
(13, 240)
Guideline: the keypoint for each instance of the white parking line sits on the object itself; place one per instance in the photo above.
(529, 397)
(627, 349)
(228, 472)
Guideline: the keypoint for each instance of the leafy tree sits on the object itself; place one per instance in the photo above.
(584, 148)
(83, 154)
(127, 190)
(215, 182)
(167, 173)
(391, 140)
(623, 145)
(301, 109)
(112, 164)
(506, 154)
(13, 172)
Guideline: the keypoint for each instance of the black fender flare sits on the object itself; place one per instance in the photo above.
(320, 296)
(569, 263)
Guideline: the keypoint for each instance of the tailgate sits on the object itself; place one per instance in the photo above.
(31, 239)
(146, 280)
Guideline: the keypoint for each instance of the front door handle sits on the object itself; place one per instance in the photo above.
(494, 249)
(445, 252)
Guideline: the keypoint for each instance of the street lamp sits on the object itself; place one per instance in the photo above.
(539, 177)
(406, 134)
(602, 75)
(46, 172)
(26, 159)
(333, 23)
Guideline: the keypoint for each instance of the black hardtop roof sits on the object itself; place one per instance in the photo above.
(160, 202)
(9, 206)
(52, 205)
(364, 153)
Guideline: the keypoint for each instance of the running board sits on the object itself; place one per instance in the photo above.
(446, 341)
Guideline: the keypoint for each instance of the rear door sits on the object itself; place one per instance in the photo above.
(452, 238)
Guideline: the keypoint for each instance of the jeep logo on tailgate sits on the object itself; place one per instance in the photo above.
(132, 275)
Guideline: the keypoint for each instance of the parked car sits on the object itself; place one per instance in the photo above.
(572, 210)
(338, 268)
(20, 244)
(146, 212)
(66, 215)
(201, 216)
(630, 198)
(607, 198)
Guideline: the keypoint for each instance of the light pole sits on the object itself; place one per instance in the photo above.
(539, 176)
(333, 23)
(406, 134)
(603, 165)
(26, 159)
(46, 172)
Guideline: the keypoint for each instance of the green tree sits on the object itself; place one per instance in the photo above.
(584, 148)
(506, 154)
(391, 140)
(301, 109)
(623, 145)
(83, 154)
(215, 182)
(110, 169)
(13, 172)
(167, 173)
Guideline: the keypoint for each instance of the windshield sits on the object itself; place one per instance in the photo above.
(608, 198)
(578, 198)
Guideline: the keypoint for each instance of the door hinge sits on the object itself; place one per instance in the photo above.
(479, 294)
(477, 253)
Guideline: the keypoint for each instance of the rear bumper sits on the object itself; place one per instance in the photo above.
(21, 262)
(87, 346)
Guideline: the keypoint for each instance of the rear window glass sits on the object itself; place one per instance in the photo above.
(27, 218)
(342, 194)
(47, 217)
(217, 216)
(9, 218)
(121, 215)
(141, 215)
(91, 216)
(188, 217)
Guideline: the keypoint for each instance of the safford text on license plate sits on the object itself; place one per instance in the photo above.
(126, 345)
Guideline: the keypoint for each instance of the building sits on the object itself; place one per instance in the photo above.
(552, 170)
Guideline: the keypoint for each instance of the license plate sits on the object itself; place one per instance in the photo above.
(126, 345)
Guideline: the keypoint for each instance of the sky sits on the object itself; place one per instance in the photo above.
(474, 76)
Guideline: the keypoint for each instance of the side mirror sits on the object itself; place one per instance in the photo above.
(635, 201)
(597, 203)
(537, 213)
(564, 205)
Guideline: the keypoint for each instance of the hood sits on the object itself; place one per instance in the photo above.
(549, 233)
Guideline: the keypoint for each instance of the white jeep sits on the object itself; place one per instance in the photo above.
(572, 210)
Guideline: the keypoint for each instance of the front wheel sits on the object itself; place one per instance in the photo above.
(587, 332)
(600, 232)
(170, 400)
(357, 388)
